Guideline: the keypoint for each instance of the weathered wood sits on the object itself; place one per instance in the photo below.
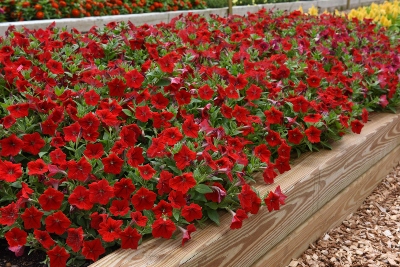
(314, 180)
(330, 215)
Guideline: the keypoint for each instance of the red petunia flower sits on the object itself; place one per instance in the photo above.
(190, 128)
(146, 171)
(96, 219)
(16, 237)
(192, 212)
(237, 219)
(205, 92)
(55, 67)
(273, 116)
(159, 101)
(253, 93)
(184, 157)
(166, 63)
(48, 127)
(135, 156)
(57, 223)
(282, 164)
(119, 207)
(100, 192)
(58, 157)
(124, 188)
(134, 79)
(80, 198)
(313, 81)
(183, 182)
(163, 208)
(117, 87)
(89, 122)
(171, 136)
(186, 233)
(9, 214)
(91, 98)
(9, 171)
(269, 174)
(163, 228)
(312, 118)
(138, 218)
(313, 134)
(8, 121)
(33, 143)
(356, 126)
(72, 132)
(112, 164)
(44, 238)
(262, 152)
(219, 192)
(94, 151)
(130, 238)
(177, 200)
(295, 136)
(19, 110)
(79, 170)
(75, 238)
(272, 201)
(37, 167)
(163, 182)
(300, 104)
(11, 146)
(143, 113)
(183, 97)
(162, 119)
(284, 150)
(51, 199)
(31, 218)
(143, 199)
(273, 138)
(249, 200)
(58, 256)
(92, 249)
(110, 229)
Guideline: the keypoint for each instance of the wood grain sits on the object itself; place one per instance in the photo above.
(330, 215)
(314, 180)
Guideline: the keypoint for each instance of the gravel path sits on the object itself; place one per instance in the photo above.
(368, 237)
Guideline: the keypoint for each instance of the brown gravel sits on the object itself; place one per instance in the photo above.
(368, 237)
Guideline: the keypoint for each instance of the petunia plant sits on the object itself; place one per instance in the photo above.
(127, 131)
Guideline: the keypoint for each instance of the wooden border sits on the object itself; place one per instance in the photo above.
(330, 215)
(315, 179)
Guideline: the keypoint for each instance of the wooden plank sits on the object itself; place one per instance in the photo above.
(314, 180)
(330, 215)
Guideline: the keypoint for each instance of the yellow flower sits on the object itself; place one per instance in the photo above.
(301, 10)
(313, 11)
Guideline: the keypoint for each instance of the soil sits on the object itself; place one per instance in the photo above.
(369, 237)
(8, 258)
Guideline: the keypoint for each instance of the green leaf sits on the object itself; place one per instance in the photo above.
(16, 184)
(213, 215)
(163, 82)
(203, 189)
(41, 154)
(212, 205)
(128, 112)
(176, 213)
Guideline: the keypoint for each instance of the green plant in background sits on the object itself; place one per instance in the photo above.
(216, 3)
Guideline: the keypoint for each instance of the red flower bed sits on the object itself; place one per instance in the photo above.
(11, 10)
(130, 131)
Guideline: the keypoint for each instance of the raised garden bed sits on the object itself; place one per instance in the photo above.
(336, 100)
(323, 188)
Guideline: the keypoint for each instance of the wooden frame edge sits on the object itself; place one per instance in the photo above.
(331, 214)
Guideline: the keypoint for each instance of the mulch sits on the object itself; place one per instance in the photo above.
(369, 237)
